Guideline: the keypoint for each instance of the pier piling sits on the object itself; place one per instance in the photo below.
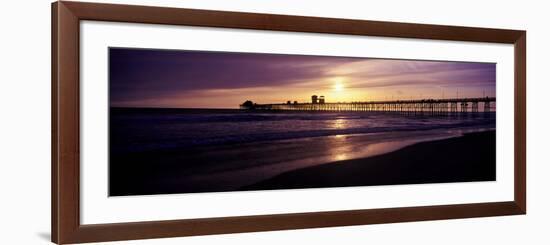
(424, 106)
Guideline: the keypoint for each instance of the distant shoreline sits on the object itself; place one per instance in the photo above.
(174, 108)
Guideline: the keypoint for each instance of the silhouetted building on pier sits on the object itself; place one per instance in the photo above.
(248, 105)
(314, 99)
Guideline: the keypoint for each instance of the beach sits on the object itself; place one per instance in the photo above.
(460, 159)
(168, 151)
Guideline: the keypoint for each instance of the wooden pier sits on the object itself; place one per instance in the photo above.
(424, 106)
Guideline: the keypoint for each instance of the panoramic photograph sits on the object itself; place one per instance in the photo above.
(206, 121)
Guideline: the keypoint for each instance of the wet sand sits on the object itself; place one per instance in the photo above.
(469, 158)
(335, 161)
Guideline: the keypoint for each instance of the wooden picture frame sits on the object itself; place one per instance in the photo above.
(66, 225)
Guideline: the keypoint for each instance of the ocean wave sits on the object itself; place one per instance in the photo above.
(229, 131)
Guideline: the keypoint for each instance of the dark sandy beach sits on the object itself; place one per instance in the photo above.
(258, 167)
(471, 157)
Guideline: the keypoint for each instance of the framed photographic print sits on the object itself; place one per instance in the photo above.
(176, 122)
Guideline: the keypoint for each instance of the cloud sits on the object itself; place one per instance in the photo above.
(167, 77)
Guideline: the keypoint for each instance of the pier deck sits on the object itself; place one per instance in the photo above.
(434, 106)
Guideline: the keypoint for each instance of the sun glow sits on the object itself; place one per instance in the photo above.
(338, 87)
(338, 84)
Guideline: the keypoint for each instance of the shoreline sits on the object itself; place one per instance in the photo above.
(246, 169)
(467, 158)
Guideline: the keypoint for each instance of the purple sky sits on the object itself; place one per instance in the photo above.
(195, 79)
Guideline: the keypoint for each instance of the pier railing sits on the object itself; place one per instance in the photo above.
(432, 106)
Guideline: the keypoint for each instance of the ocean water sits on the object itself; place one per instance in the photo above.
(138, 130)
(191, 150)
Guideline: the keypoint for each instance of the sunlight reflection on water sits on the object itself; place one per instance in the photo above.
(321, 150)
(339, 123)
(343, 147)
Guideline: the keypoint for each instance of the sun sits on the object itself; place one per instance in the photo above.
(338, 85)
